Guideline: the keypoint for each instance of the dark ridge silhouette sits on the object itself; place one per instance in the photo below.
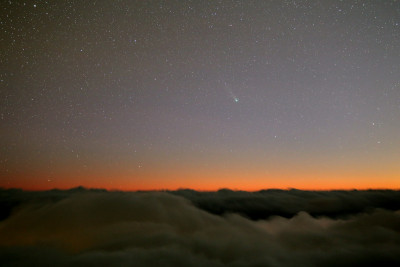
(287, 203)
(254, 205)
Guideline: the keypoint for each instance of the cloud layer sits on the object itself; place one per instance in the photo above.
(287, 203)
(92, 228)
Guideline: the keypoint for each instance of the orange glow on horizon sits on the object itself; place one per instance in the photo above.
(204, 181)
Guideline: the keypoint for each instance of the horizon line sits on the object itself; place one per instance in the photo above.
(80, 187)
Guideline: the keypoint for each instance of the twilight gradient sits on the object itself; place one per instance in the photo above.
(201, 94)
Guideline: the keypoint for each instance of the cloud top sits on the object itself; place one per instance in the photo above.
(91, 228)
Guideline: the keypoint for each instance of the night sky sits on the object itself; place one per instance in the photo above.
(139, 95)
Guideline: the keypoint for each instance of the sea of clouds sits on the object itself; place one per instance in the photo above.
(82, 227)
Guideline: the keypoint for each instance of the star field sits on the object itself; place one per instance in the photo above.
(201, 94)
